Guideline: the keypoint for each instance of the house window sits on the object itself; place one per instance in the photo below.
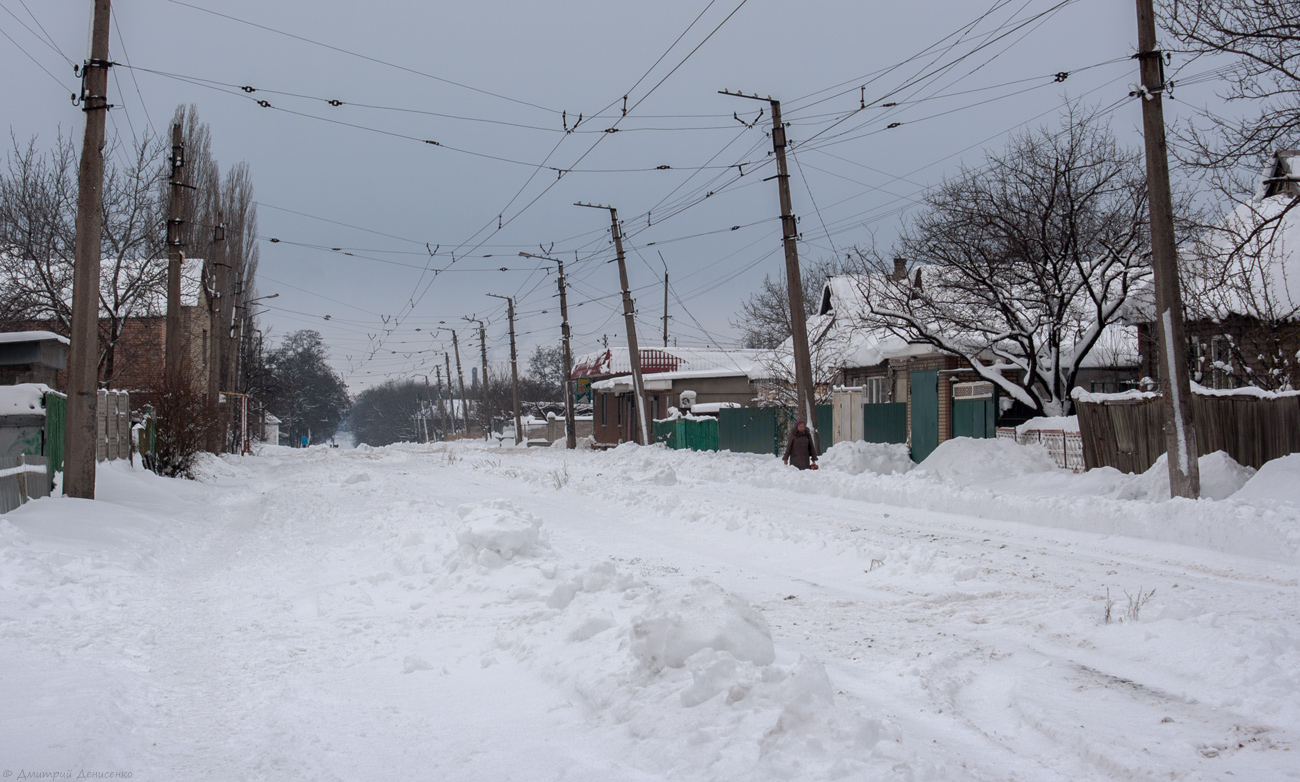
(876, 389)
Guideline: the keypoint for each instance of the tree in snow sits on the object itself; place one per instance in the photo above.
(304, 391)
(1262, 40)
(389, 413)
(764, 318)
(1019, 265)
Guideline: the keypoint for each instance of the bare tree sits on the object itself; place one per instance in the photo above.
(764, 318)
(1020, 265)
(37, 222)
(1262, 38)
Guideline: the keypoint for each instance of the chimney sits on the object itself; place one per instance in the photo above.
(900, 268)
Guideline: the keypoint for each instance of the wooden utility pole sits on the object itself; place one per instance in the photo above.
(1175, 385)
(173, 356)
(483, 383)
(570, 427)
(83, 358)
(803, 378)
(665, 263)
(464, 402)
(514, 365)
(629, 317)
(442, 401)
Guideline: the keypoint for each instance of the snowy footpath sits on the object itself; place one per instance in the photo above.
(473, 613)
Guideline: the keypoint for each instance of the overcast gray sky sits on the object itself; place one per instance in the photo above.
(496, 83)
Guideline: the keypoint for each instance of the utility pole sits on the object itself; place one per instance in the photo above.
(173, 359)
(1175, 385)
(570, 430)
(483, 382)
(83, 358)
(464, 402)
(442, 402)
(803, 379)
(218, 329)
(629, 316)
(661, 257)
(514, 364)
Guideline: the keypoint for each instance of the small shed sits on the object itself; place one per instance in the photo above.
(32, 357)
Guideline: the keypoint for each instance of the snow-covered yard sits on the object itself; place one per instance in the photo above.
(467, 613)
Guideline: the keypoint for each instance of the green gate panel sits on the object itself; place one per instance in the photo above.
(923, 386)
(702, 435)
(748, 430)
(974, 418)
(885, 422)
(825, 426)
(664, 432)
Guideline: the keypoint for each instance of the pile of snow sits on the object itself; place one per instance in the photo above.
(1059, 423)
(496, 531)
(1277, 481)
(1221, 478)
(857, 457)
(967, 461)
(681, 622)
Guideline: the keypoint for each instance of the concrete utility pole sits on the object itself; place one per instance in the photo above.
(629, 316)
(803, 378)
(83, 358)
(514, 365)
(1175, 385)
(442, 400)
(173, 357)
(570, 430)
(464, 402)
(218, 328)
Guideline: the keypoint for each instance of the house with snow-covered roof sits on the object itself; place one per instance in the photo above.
(1241, 291)
(705, 376)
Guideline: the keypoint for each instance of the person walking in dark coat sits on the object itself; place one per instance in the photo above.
(800, 449)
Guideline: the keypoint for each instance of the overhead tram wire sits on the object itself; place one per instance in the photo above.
(366, 57)
(502, 223)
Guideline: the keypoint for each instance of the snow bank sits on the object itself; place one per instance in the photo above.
(496, 531)
(1221, 478)
(1277, 481)
(680, 622)
(857, 457)
(967, 461)
(1059, 423)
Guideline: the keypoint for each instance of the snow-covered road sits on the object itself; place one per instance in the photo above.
(436, 612)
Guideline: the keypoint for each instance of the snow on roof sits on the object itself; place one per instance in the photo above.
(23, 399)
(31, 336)
(655, 361)
(1249, 264)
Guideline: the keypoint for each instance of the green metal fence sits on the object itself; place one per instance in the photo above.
(56, 418)
(924, 387)
(682, 434)
(749, 429)
(885, 422)
(974, 418)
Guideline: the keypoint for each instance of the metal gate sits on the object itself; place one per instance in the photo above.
(924, 388)
(885, 422)
(974, 410)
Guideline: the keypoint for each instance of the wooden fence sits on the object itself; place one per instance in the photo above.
(1127, 432)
